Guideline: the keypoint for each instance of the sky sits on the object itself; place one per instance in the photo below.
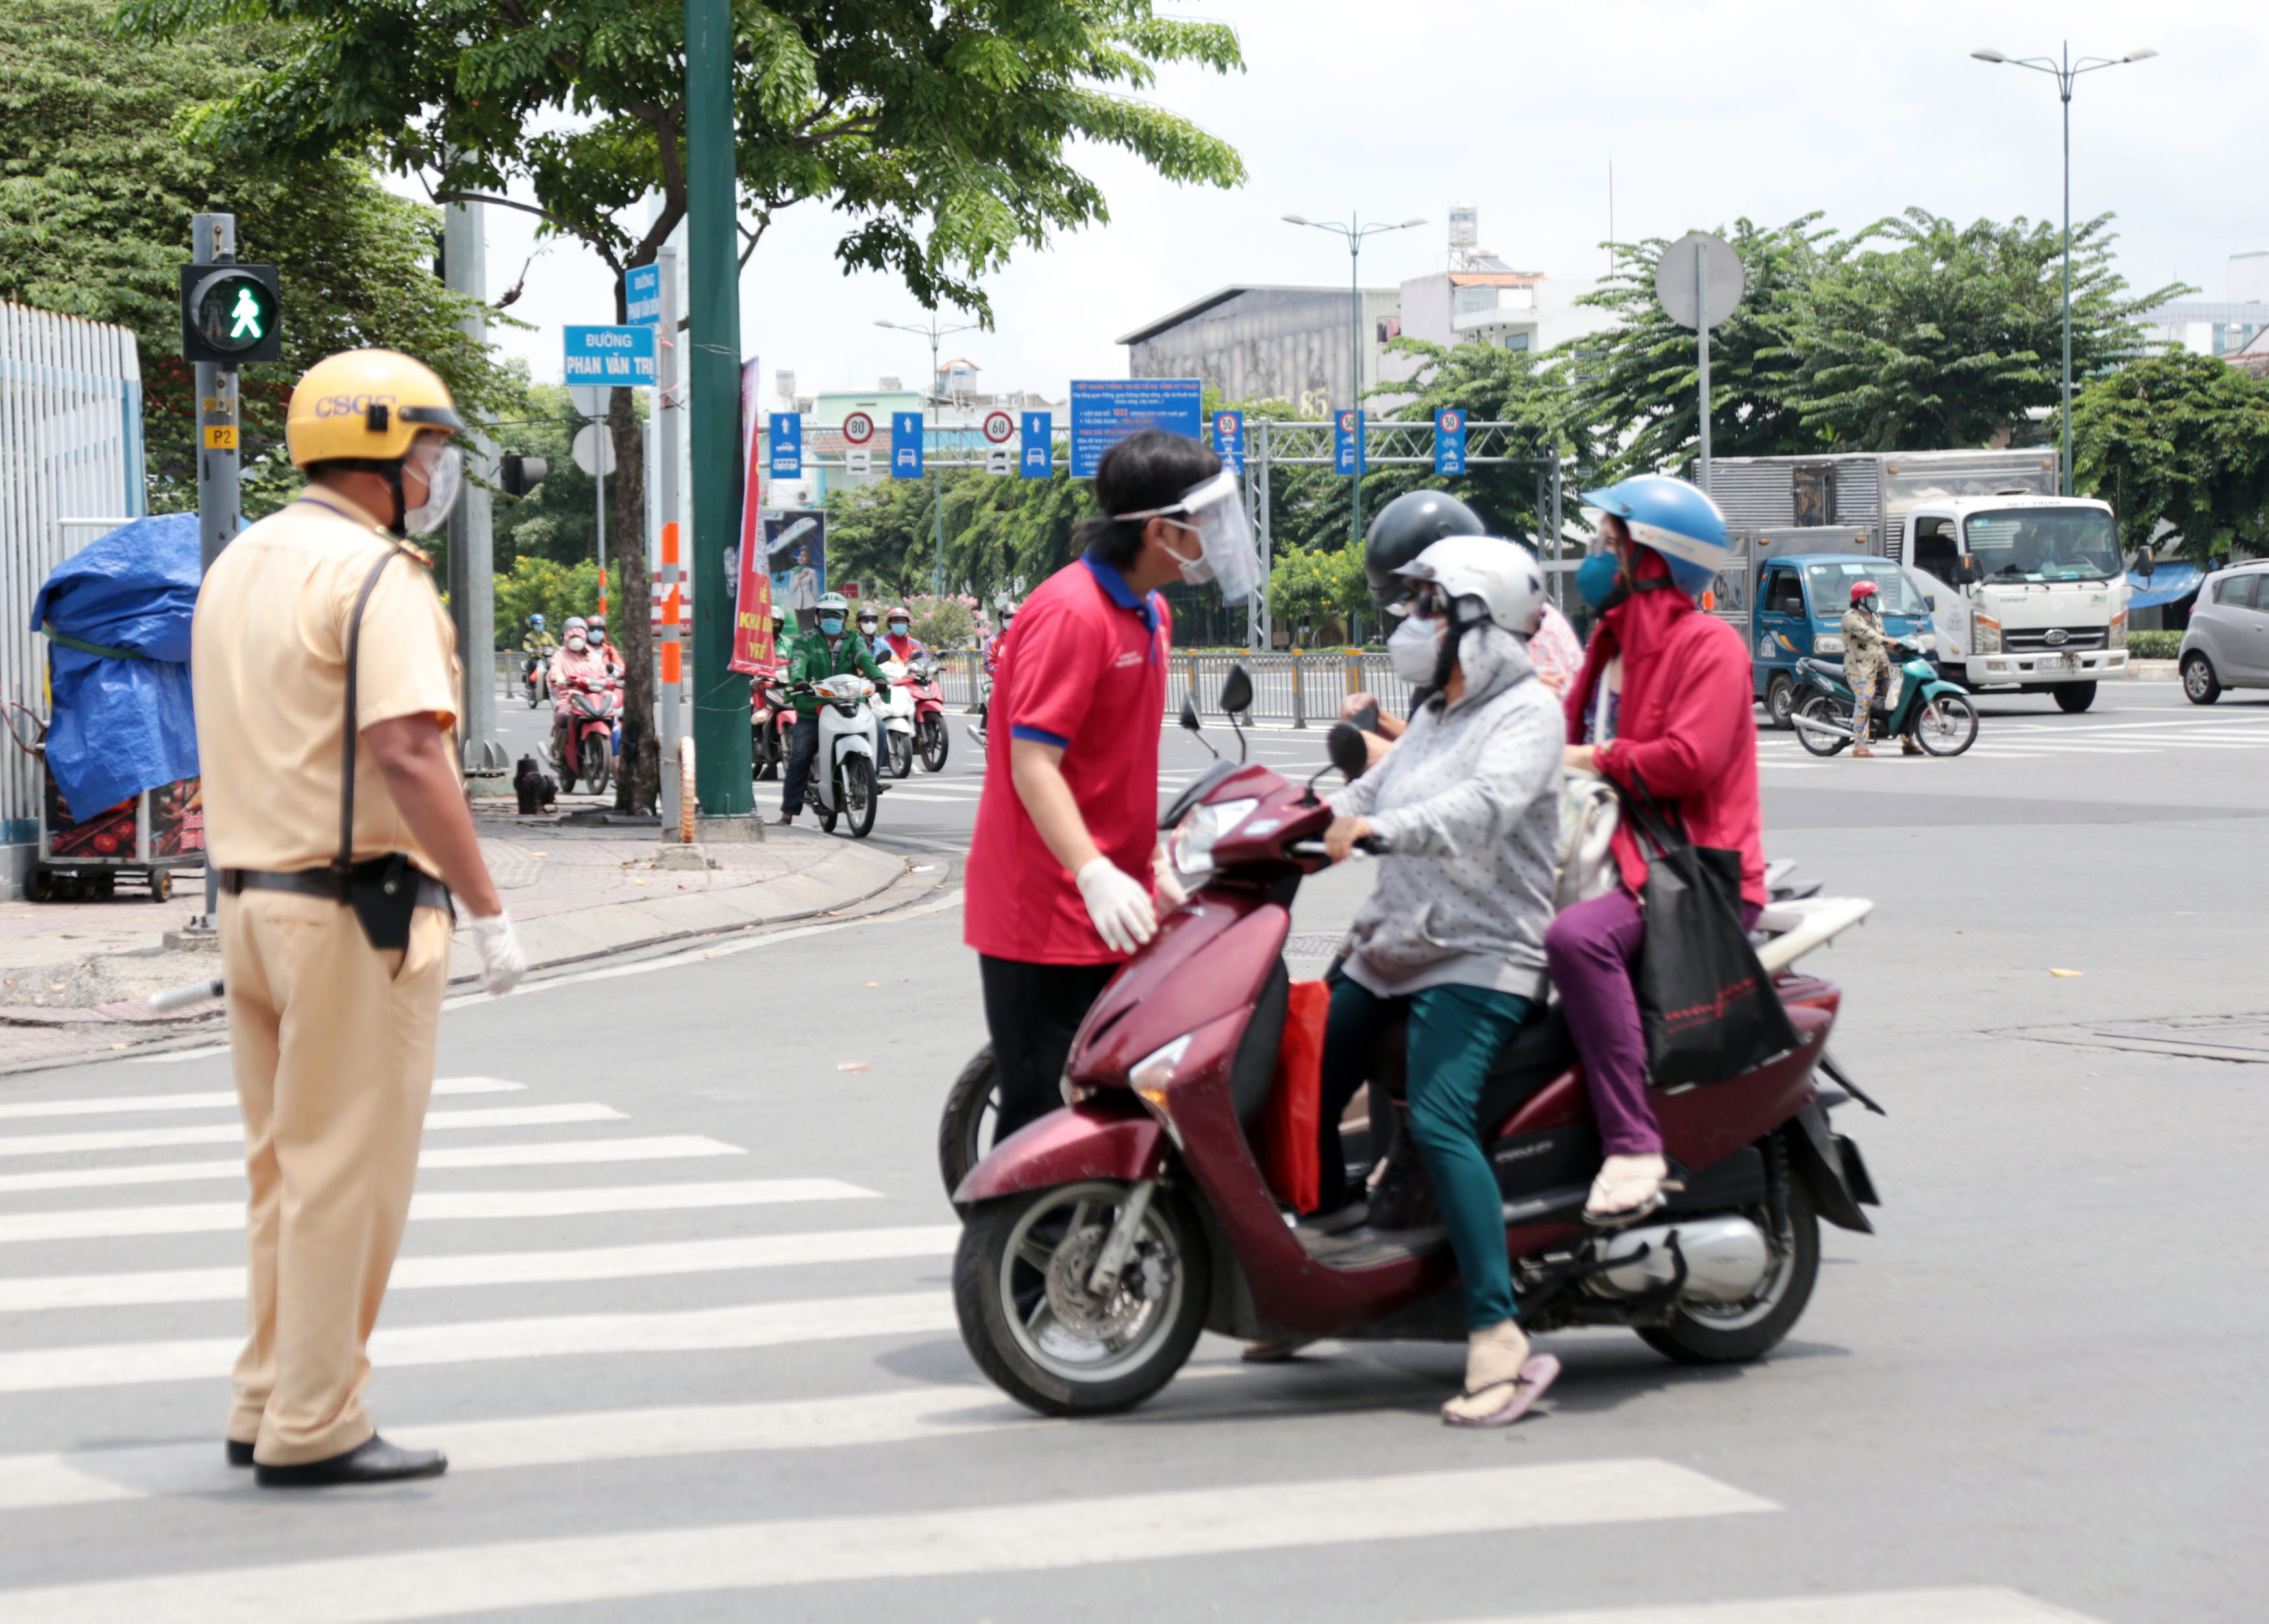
(1709, 110)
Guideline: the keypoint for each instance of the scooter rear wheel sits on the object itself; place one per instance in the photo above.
(933, 744)
(1826, 711)
(1028, 1319)
(902, 755)
(1700, 1334)
(971, 1104)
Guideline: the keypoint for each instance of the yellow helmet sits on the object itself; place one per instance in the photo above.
(369, 404)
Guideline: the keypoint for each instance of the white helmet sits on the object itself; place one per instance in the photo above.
(1500, 576)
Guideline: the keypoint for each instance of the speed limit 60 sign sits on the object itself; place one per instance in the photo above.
(998, 426)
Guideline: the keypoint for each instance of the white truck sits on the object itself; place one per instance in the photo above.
(2025, 589)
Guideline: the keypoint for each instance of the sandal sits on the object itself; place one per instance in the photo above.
(1628, 1189)
(1523, 1391)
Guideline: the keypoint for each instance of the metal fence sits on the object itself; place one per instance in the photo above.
(70, 471)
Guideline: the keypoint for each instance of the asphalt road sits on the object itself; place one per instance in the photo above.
(2032, 1395)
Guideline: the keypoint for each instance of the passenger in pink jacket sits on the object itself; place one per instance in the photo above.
(1662, 703)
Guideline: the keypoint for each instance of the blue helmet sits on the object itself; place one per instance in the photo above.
(1677, 519)
(537, 621)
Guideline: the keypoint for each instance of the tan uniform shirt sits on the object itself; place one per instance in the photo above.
(268, 666)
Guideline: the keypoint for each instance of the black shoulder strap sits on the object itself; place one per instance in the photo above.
(1651, 818)
(345, 859)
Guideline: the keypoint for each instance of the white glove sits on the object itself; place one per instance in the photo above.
(1165, 882)
(502, 963)
(1118, 904)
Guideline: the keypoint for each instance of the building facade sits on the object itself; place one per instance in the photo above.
(1272, 343)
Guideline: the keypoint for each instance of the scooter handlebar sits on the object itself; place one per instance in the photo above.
(1369, 846)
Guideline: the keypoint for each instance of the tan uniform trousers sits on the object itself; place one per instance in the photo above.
(333, 1047)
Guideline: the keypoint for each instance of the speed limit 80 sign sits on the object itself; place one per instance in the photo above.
(858, 429)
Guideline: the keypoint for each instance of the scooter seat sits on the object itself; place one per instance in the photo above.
(1540, 1050)
(1823, 667)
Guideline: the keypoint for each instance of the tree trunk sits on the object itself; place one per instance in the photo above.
(638, 786)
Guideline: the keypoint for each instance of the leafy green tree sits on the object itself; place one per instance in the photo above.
(536, 585)
(97, 185)
(939, 134)
(1312, 589)
(2179, 437)
(1950, 335)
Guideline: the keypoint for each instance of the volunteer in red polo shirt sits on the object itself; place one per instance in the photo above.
(1059, 882)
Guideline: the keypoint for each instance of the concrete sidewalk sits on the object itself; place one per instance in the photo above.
(75, 977)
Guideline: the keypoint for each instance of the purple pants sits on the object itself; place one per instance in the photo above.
(1591, 950)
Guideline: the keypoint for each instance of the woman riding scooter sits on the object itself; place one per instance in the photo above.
(1662, 708)
(1466, 809)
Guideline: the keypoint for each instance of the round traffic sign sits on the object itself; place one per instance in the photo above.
(594, 450)
(1686, 265)
(1224, 422)
(858, 429)
(998, 426)
(1452, 420)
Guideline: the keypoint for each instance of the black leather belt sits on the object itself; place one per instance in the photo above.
(324, 882)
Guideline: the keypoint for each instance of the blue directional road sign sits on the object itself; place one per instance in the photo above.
(1106, 410)
(1037, 446)
(642, 294)
(905, 445)
(619, 357)
(1229, 439)
(1449, 441)
(786, 429)
(1347, 441)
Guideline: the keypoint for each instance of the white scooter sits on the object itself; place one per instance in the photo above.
(895, 707)
(842, 782)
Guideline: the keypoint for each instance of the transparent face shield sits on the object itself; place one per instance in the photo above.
(443, 466)
(1225, 552)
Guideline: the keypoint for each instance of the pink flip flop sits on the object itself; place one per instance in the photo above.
(1537, 1375)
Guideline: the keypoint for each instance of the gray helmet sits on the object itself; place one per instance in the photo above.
(1405, 527)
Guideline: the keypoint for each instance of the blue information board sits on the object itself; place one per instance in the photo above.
(1347, 440)
(786, 429)
(642, 294)
(1229, 439)
(1036, 457)
(905, 445)
(612, 357)
(1449, 441)
(1106, 410)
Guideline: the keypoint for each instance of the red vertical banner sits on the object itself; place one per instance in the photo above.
(752, 593)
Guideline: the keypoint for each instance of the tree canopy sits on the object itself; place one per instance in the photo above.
(2178, 437)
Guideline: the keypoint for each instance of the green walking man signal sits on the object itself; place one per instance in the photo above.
(231, 314)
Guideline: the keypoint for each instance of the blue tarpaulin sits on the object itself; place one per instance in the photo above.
(122, 725)
(2170, 583)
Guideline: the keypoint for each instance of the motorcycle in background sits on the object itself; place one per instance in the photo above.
(772, 720)
(976, 729)
(537, 677)
(584, 749)
(894, 705)
(929, 714)
(1935, 713)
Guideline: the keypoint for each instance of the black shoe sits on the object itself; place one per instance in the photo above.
(238, 1454)
(784, 820)
(373, 1460)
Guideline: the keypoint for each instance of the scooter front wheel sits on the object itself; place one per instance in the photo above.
(1823, 711)
(902, 755)
(1031, 1320)
(854, 788)
(933, 743)
(596, 764)
(1947, 726)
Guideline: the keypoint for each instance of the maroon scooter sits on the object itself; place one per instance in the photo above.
(1099, 1241)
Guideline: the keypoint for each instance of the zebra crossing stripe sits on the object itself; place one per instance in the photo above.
(767, 1324)
(209, 1217)
(979, 1540)
(232, 1133)
(213, 1099)
(36, 1294)
(1963, 1605)
(558, 1153)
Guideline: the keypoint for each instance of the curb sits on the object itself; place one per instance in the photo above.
(2154, 671)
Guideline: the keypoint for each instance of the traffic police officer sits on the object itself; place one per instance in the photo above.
(334, 912)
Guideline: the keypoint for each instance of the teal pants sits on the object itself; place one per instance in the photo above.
(1454, 1033)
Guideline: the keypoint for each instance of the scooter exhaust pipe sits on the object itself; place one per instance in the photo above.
(1829, 728)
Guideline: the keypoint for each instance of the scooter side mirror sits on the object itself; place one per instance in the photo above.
(1190, 715)
(1236, 691)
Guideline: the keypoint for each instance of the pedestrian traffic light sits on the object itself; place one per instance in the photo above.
(520, 475)
(231, 314)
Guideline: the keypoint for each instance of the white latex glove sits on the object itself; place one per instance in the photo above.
(1167, 883)
(502, 963)
(1118, 904)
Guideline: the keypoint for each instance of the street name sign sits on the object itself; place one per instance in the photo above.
(642, 294)
(614, 357)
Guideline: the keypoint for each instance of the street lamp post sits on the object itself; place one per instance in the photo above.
(2064, 70)
(936, 397)
(1354, 231)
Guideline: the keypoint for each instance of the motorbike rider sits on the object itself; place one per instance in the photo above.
(576, 660)
(994, 646)
(1466, 808)
(1868, 667)
(898, 641)
(613, 656)
(1066, 854)
(1663, 703)
(537, 644)
(783, 637)
(831, 650)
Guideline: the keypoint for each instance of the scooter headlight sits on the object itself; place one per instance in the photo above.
(1190, 848)
(1150, 1076)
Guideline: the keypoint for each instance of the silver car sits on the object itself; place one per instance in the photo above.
(2227, 643)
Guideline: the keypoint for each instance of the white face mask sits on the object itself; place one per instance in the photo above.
(1414, 649)
(1197, 571)
(444, 467)
(576, 643)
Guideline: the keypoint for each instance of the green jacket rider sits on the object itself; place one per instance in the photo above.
(826, 653)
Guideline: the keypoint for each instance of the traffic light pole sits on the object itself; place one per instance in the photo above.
(220, 511)
(720, 697)
(472, 540)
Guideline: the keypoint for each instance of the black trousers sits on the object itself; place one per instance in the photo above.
(802, 749)
(1034, 1011)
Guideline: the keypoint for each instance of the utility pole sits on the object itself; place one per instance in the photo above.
(220, 508)
(667, 409)
(720, 697)
(472, 557)
(936, 395)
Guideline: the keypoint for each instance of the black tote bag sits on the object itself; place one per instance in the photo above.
(1708, 1006)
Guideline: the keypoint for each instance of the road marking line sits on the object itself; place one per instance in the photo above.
(232, 1133)
(566, 1153)
(1252, 1517)
(508, 1268)
(1965, 1606)
(205, 1217)
(760, 1324)
(216, 1099)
